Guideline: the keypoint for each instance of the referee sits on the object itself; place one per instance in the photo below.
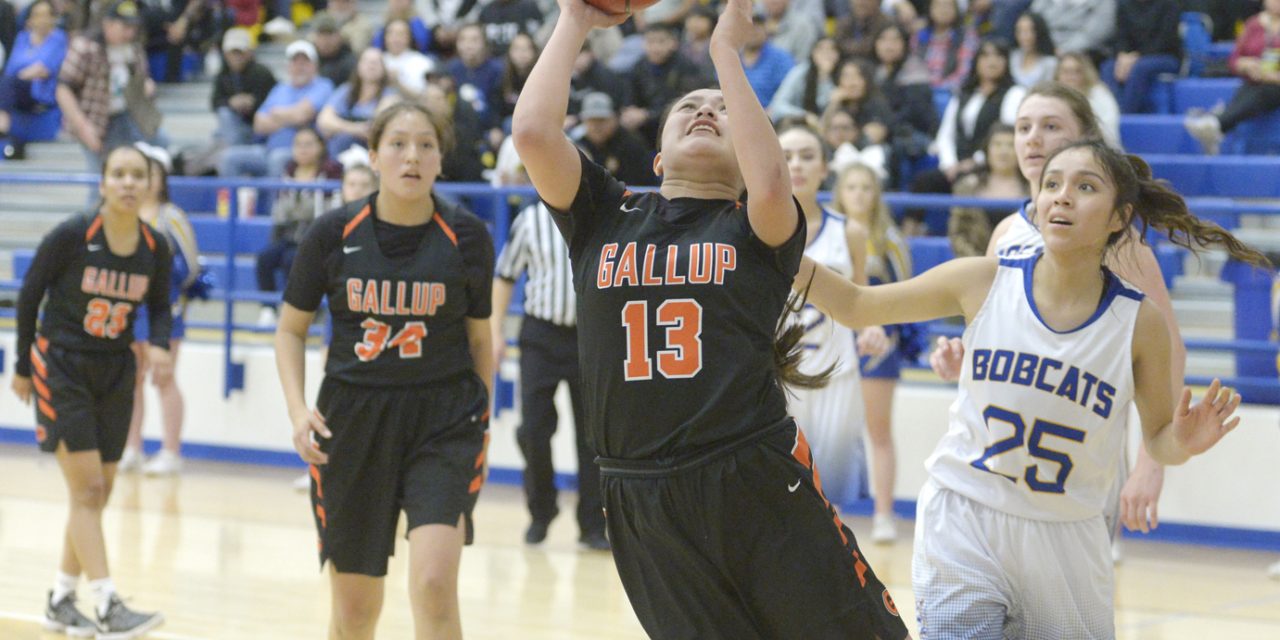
(548, 355)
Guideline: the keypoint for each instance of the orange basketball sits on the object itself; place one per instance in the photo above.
(614, 7)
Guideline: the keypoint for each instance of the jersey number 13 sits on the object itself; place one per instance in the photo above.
(682, 355)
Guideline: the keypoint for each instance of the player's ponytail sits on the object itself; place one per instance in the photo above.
(1152, 203)
(788, 351)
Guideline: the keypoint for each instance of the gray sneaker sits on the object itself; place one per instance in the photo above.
(63, 617)
(123, 623)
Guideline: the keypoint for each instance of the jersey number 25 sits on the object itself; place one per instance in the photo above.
(682, 357)
(1039, 429)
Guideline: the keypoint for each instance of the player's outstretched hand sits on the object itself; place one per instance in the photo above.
(734, 26)
(1198, 428)
(947, 358)
(21, 386)
(1140, 498)
(305, 429)
(588, 16)
(873, 342)
(161, 363)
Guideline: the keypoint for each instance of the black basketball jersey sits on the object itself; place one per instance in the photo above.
(93, 294)
(396, 320)
(678, 302)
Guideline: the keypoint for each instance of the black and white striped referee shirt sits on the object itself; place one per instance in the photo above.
(536, 245)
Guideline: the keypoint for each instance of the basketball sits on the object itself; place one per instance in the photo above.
(614, 7)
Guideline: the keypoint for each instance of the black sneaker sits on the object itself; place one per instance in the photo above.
(122, 623)
(14, 151)
(536, 533)
(595, 541)
(63, 617)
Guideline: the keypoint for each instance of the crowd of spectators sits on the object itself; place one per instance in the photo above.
(893, 84)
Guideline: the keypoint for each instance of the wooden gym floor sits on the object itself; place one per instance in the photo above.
(228, 551)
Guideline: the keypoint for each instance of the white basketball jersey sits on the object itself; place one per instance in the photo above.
(1023, 238)
(826, 342)
(1038, 427)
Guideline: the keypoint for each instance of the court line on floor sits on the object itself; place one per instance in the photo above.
(39, 620)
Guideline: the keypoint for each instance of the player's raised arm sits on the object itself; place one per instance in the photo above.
(764, 168)
(946, 290)
(538, 121)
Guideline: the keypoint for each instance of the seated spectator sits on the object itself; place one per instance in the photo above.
(169, 29)
(969, 228)
(345, 118)
(612, 147)
(521, 54)
(945, 45)
(806, 89)
(291, 106)
(355, 29)
(1076, 70)
(445, 18)
(407, 67)
(856, 32)
(1078, 25)
(239, 89)
(503, 20)
(336, 58)
(1255, 59)
(857, 95)
(657, 79)
(30, 81)
(1033, 60)
(696, 43)
(293, 212)
(104, 88)
(765, 63)
(465, 160)
(477, 75)
(358, 182)
(1147, 44)
(903, 80)
(789, 29)
(404, 10)
(591, 75)
(988, 96)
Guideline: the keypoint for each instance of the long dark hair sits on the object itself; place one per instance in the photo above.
(357, 83)
(1044, 39)
(892, 69)
(971, 81)
(811, 80)
(788, 350)
(1154, 204)
(513, 79)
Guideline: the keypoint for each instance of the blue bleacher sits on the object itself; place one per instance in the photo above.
(1156, 133)
(252, 234)
(37, 128)
(1234, 176)
(1202, 93)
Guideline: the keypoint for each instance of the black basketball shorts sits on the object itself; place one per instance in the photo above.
(419, 449)
(743, 546)
(83, 398)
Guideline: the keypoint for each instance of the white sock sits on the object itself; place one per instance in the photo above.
(63, 586)
(102, 591)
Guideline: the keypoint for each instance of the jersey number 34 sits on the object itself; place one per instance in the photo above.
(378, 338)
(1039, 429)
(682, 357)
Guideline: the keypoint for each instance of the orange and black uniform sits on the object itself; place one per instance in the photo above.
(408, 413)
(79, 360)
(716, 515)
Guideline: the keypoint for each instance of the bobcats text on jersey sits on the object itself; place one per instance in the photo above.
(1031, 370)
